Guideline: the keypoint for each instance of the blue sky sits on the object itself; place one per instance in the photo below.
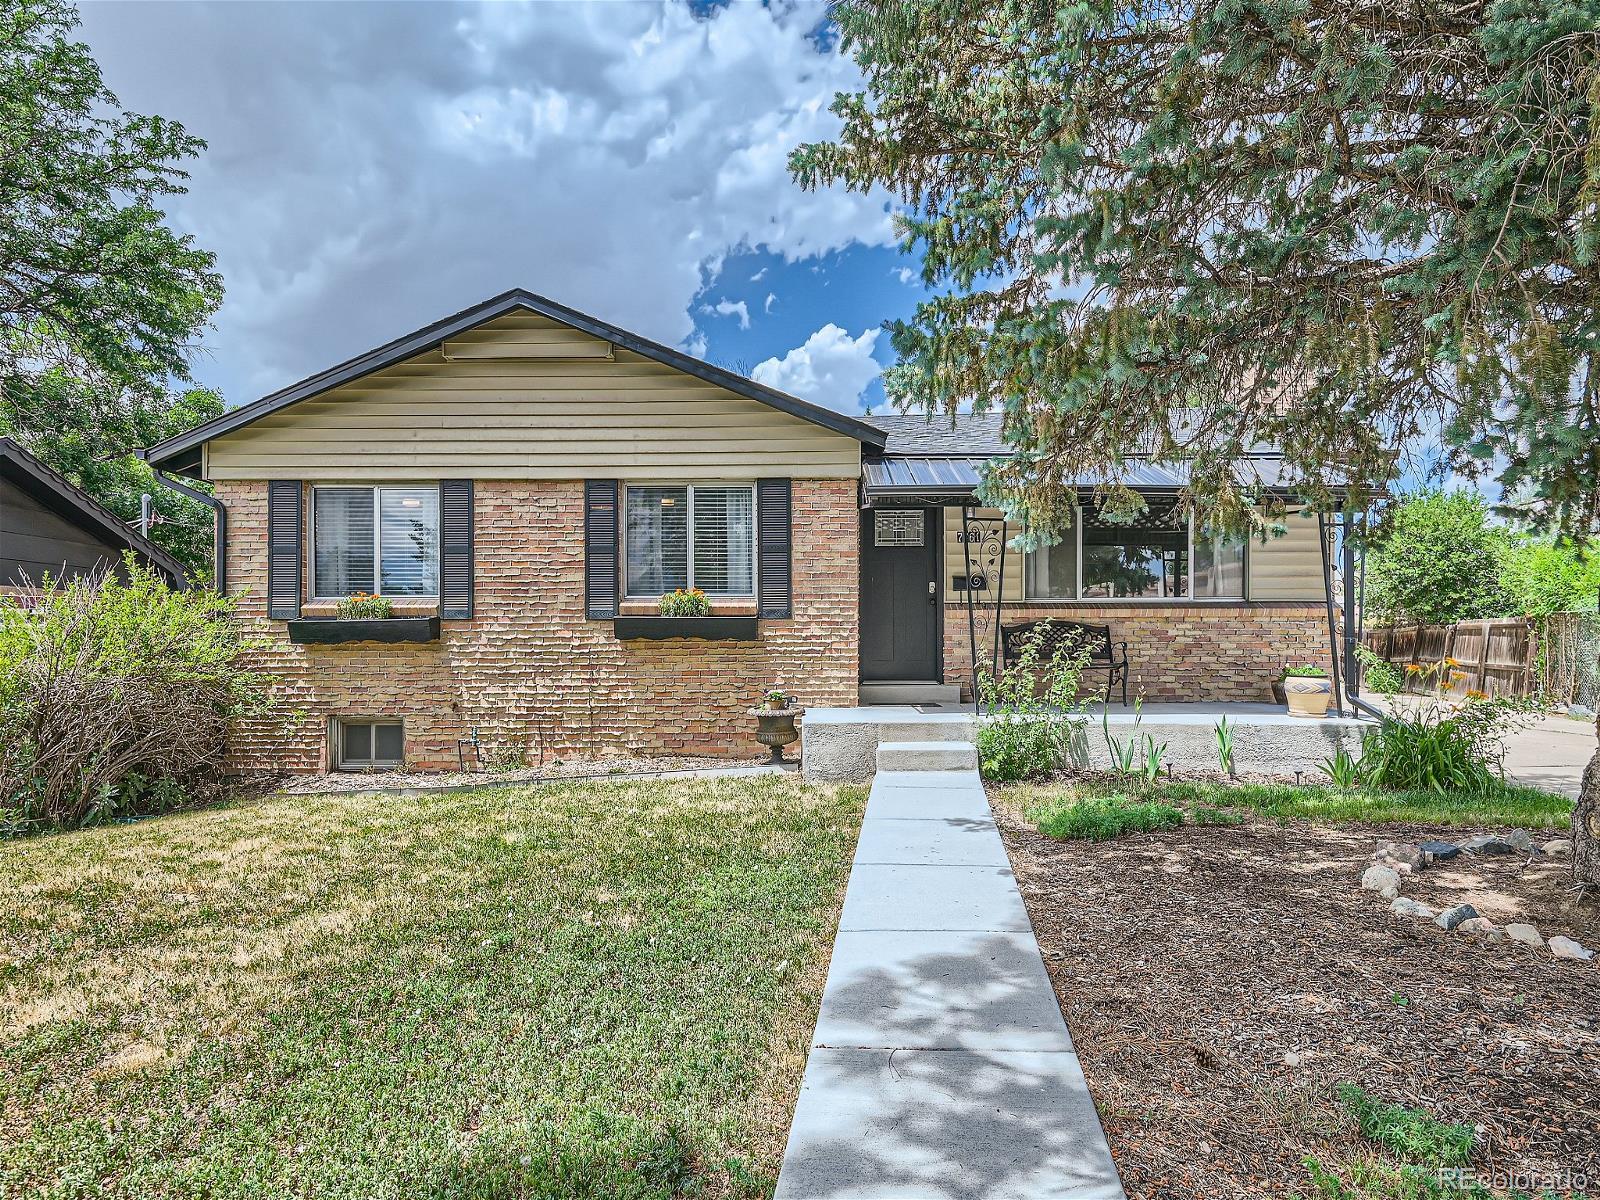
(373, 167)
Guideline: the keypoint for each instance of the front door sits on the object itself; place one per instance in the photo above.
(900, 595)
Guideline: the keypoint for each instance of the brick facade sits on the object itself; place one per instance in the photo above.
(1176, 652)
(529, 669)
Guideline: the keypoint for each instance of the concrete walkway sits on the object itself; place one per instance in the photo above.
(940, 1068)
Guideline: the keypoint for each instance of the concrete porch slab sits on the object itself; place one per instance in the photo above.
(941, 990)
(982, 899)
(946, 1125)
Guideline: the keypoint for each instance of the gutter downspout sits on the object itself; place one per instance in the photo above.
(1327, 595)
(219, 552)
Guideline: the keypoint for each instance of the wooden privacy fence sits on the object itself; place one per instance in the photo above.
(1493, 657)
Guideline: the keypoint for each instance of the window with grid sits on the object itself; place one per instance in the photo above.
(375, 539)
(367, 745)
(701, 536)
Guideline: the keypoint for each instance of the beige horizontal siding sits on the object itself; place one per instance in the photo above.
(955, 560)
(530, 418)
(1288, 567)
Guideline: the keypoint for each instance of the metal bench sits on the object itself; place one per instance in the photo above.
(1104, 654)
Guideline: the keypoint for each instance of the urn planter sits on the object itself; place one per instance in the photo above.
(775, 728)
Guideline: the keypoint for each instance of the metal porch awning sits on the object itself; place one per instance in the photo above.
(950, 479)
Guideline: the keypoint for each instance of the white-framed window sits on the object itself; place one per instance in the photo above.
(1160, 555)
(690, 536)
(367, 745)
(382, 539)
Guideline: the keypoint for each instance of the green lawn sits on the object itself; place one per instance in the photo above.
(1046, 804)
(573, 990)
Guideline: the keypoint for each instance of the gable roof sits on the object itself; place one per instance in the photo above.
(182, 453)
(67, 500)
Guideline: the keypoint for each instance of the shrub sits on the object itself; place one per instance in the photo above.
(1436, 561)
(115, 698)
(1378, 675)
(680, 603)
(1411, 1134)
(1104, 818)
(1030, 732)
(1440, 749)
(364, 606)
(1307, 672)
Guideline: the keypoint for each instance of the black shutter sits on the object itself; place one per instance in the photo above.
(455, 549)
(600, 549)
(773, 549)
(284, 524)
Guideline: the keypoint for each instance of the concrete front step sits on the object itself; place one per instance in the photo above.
(953, 728)
(927, 756)
(910, 693)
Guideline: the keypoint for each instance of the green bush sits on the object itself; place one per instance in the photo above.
(1412, 1135)
(1437, 560)
(1542, 576)
(1030, 731)
(1104, 818)
(1017, 747)
(1439, 749)
(114, 699)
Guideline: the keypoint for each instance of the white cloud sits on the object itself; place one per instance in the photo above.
(730, 308)
(905, 275)
(772, 298)
(759, 275)
(832, 368)
(374, 167)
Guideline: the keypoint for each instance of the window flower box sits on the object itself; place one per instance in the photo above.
(708, 629)
(332, 631)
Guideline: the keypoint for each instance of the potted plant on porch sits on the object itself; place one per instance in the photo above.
(1307, 691)
(775, 717)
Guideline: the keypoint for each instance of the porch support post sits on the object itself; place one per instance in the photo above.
(972, 616)
(1327, 595)
(999, 595)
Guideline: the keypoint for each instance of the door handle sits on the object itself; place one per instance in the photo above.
(933, 590)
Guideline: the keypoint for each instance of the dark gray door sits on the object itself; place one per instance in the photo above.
(899, 595)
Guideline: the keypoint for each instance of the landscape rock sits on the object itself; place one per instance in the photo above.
(1441, 851)
(1521, 931)
(1520, 839)
(1481, 925)
(1404, 906)
(1489, 843)
(1451, 917)
(1402, 854)
(1565, 947)
(1383, 880)
(1558, 846)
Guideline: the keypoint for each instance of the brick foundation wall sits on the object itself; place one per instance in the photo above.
(529, 669)
(1176, 652)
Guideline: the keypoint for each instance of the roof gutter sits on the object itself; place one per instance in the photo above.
(219, 551)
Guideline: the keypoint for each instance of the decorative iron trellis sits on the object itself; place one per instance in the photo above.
(983, 546)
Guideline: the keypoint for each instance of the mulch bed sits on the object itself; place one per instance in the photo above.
(1220, 982)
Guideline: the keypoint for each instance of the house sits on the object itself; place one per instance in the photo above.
(51, 528)
(524, 482)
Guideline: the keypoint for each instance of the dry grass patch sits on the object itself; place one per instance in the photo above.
(565, 990)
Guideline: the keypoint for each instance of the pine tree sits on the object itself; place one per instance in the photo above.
(1189, 227)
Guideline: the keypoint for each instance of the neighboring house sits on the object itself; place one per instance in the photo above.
(51, 529)
(524, 481)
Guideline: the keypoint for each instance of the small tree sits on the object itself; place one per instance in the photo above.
(1437, 560)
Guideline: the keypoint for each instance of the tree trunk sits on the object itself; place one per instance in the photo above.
(1586, 823)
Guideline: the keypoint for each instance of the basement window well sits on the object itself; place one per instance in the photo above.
(370, 745)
